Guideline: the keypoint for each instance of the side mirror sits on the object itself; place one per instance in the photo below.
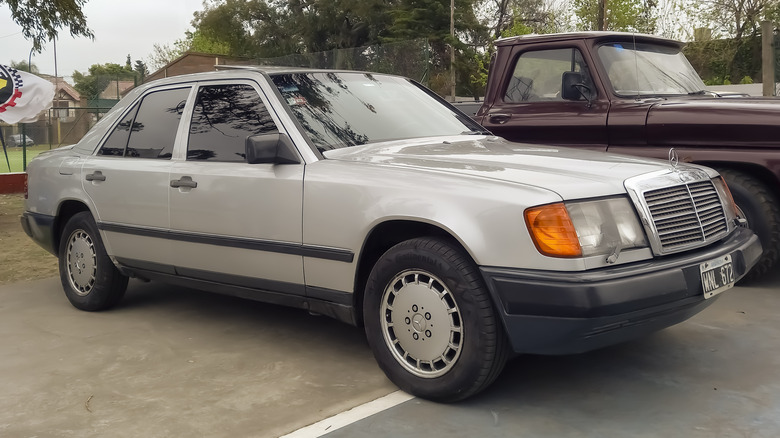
(573, 88)
(274, 148)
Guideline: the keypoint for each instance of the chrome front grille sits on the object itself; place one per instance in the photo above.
(686, 214)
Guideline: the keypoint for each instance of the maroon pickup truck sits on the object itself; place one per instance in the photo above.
(638, 95)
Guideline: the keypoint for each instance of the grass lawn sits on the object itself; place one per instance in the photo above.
(20, 258)
(15, 157)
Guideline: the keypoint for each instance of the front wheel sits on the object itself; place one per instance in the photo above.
(431, 323)
(760, 208)
(89, 278)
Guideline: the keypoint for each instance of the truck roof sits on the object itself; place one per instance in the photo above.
(590, 35)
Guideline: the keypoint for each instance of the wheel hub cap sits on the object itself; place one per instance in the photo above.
(81, 262)
(421, 323)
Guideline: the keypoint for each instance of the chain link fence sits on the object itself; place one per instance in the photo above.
(407, 58)
(56, 127)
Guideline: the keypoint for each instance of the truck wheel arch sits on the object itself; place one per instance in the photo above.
(761, 206)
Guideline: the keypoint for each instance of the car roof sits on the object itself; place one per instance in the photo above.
(588, 35)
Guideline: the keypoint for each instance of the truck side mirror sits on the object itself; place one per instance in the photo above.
(573, 88)
(276, 148)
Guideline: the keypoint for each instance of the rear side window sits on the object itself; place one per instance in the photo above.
(117, 142)
(223, 117)
(538, 75)
(149, 129)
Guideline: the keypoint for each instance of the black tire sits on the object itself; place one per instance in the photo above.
(467, 345)
(89, 278)
(762, 212)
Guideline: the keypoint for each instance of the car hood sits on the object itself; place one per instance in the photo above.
(571, 173)
(732, 121)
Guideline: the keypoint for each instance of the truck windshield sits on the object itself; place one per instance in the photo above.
(648, 70)
(341, 109)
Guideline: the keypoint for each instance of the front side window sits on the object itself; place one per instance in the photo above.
(537, 76)
(149, 129)
(223, 117)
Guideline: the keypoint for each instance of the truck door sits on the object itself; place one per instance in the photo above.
(530, 106)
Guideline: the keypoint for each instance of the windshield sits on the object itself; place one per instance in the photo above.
(649, 70)
(341, 109)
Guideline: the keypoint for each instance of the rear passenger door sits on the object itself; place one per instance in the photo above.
(127, 179)
(231, 221)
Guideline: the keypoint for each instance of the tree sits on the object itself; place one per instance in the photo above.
(616, 15)
(100, 75)
(22, 66)
(518, 17)
(140, 70)
(41, 20)
(163, 54)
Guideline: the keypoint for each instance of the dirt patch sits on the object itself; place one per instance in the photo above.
(20, 258)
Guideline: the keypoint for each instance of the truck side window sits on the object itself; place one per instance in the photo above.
(537, 75)
(223, 118)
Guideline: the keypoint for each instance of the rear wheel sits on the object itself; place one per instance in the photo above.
(431, 323)
(89, 278)
(762, 213)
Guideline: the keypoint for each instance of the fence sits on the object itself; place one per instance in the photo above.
(407, 58)
(57, 127)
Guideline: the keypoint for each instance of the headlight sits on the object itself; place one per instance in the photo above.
(585, 228)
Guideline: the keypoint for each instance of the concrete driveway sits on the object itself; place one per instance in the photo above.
(172, 362)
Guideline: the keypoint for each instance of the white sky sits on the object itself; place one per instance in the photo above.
(120, 28)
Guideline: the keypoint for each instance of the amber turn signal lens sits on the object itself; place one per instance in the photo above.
(552, 231)
(731, 197)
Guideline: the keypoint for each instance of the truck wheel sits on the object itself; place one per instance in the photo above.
(431, 323)
(89, 278)
(761, 210)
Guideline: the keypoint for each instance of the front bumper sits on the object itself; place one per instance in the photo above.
(573, 312)
(40, 228)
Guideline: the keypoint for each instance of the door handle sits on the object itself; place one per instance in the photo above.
(499, 118)
(95, 176)
(185, 181)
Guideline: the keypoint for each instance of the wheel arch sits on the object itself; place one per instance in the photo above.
(67, 209)
(760, 173)
(384, 236)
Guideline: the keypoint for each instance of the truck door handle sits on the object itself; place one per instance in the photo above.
(185, 181)
(499, 118)
(95, 176)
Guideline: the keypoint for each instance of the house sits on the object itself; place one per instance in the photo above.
(66, 99)
(115, 90)
(194, 62)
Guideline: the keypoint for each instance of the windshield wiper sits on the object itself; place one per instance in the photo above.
(698, 93)
(477, 132)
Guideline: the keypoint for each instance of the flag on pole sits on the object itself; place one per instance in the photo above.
(23, 95)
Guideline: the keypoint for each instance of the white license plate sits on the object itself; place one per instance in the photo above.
(717, 275)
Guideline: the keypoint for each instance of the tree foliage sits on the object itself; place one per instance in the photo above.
(23, 66)
(90, 85)
(41, 20)
(618, 15)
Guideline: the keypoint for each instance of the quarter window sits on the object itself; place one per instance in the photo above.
(223, 117)
(538, 75)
